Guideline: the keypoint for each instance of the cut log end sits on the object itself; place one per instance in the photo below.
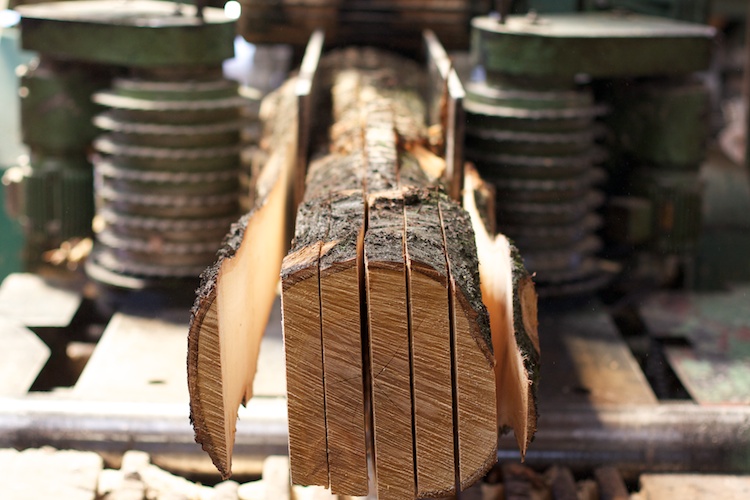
(204, 385)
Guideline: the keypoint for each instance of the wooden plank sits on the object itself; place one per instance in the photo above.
(34, 302)
(22, 357)
(694, 486)
(138, 358)
(389, 348)
(474, 380)
(715, 368)
(300, 304)
(431, 347)
(341, 272)
(589, 362)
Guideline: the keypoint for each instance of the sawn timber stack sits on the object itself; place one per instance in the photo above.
(389, 353)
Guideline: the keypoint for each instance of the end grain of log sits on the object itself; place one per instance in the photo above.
(301, 320)
(473, 362)
(431, 345)
(341, 272)
(385, 271)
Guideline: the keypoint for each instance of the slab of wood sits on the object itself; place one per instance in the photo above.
(236, 294)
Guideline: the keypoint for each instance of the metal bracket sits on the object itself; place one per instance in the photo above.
(305, 89)
(446, 96)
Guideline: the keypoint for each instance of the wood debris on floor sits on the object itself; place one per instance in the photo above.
(80, 475)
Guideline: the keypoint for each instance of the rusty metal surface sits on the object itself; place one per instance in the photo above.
(714, 366)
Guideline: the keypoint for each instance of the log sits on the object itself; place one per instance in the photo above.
(390, 349)
(234, 299)
(473, 361)
(301, 320)
(509, 295)
(342, 301)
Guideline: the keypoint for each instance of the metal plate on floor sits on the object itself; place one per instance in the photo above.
(715, 365)
(21, 359)
(34, 302)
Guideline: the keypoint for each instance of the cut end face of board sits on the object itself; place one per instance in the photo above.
(509, 294)
(233, 305)
(206, 387)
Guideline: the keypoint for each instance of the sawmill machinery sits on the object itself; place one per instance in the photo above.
(590, 119)
(137, 90)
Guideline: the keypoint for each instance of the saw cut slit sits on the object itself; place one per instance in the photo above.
(474, 363)
(303, 347)
(342, 345)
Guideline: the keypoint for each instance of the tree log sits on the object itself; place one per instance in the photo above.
(389, 350)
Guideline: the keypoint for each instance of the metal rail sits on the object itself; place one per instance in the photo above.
(665, 437)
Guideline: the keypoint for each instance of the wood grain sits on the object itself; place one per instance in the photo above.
(300, 306)
(340, 269)
(389, 347)
(431, 346)
(473, 363)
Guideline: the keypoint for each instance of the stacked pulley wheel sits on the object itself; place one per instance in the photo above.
(166, 173)
(538, 149)
(168, 154)
(532, 128)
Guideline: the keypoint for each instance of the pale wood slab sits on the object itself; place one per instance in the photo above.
(67, 475)
(52, 306)
(694, 486)
(138, 359)
(593, 364)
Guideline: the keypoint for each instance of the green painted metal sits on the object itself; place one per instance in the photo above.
(676, 200)
(629, 219)
(11, 241)
(601, 45)
(56, 105)
(661, 122)
(724, 245)
(715, 368)
(695, 11)
(140, 33)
